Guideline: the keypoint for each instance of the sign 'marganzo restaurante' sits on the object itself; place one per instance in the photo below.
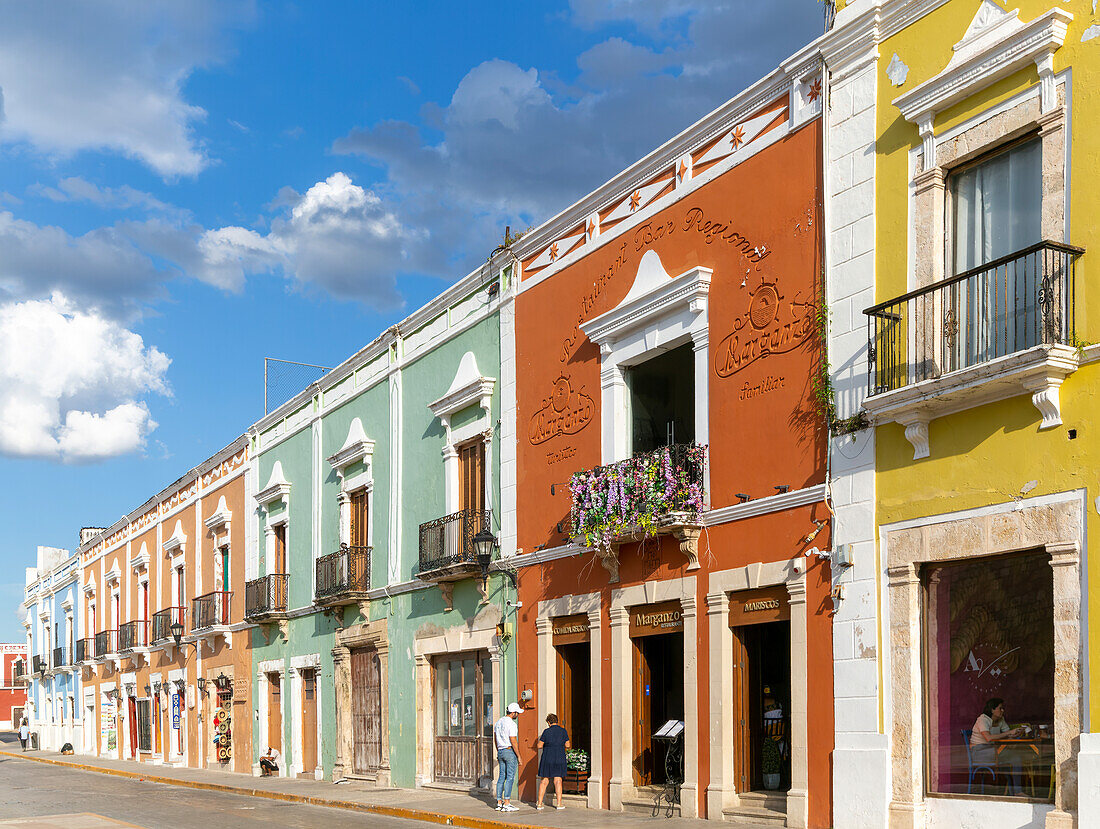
(646, 325)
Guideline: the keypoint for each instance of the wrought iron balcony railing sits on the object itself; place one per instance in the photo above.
(210, 610)
(133, 634)
(163, 621)
(85, 649)
(266, 596)
(446, 544)
(1009, 305)
(106, 641)
(39, 662)
(61, 657)
(343, 576)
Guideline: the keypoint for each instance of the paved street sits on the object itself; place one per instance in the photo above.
(43, 796)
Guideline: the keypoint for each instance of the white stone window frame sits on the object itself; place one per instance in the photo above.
(263, 669)
(218, 525)
(297, 689)
(995, 46)
(659, 313)
(274, 499)
(469, 387)
(1054, 523)
(548, 610)
(357, 448)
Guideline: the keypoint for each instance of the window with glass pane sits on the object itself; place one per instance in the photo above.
(989, 657)
(144, 725)
(997, 212)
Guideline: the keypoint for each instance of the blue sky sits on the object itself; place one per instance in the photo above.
(188, 187)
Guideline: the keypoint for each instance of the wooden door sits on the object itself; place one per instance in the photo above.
(471, 471)
(279, 564)
(366, 710)
(359, 519)
(463, 702)
(742, 712)
(309, 721)
(133, 728)
(565, 692)
(643, 724)
(275, 711)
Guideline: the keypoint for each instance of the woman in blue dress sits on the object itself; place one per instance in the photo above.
(553, 742)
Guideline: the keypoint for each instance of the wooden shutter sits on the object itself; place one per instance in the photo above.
(359, 518)
(280, 549)
(471, 460)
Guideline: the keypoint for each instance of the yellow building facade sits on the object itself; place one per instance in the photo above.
(963, 190)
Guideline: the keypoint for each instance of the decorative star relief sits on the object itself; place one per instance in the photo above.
(737, 137)
(682, 170)
(553, 251)
(815, 90)
(635, 200)
(590, 227)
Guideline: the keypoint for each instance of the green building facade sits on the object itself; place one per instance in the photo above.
(380, 651)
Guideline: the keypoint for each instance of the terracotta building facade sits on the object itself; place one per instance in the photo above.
(173, 567)
(671, 469)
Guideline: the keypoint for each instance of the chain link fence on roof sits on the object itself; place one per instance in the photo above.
(283, 379)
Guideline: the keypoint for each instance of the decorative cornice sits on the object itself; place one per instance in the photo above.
(277, 489)
(174, 544)
(356, 447)
(219, 517)
(468, 387)
(987, 55)
(140, 562)
(653, 293)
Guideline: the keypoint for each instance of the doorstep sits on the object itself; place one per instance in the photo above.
(759, 808)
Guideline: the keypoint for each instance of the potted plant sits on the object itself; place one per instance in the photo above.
(576, 771)
(770, 762)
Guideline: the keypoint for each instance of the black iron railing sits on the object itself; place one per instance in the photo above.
(209, 610)
(62, 657)
(163, 621)
(133, 634)
(449, 540)
(345, 571)
(39, 662)
(1008, 305)
(85, 649)
(265, 595)
(106, 641)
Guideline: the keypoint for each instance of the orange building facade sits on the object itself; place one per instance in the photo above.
(177, 560)
(667, 341)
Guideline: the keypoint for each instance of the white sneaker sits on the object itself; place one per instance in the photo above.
(508, 807)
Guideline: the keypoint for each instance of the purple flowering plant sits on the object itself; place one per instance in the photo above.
(632, 495)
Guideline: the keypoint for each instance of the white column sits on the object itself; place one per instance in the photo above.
(595, 672)
(689, 790)
(621, 708)
(721, 793)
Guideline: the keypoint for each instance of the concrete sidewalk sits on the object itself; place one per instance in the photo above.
(430, 805)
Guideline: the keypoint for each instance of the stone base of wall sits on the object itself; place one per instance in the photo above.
(862, 790)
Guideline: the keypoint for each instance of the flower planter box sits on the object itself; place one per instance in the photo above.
(575, 782)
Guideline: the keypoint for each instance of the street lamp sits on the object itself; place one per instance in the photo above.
(222, 682)
(176, 629)
(484, 545)
(201, 682)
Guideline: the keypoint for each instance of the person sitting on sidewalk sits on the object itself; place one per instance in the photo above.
(269, 763)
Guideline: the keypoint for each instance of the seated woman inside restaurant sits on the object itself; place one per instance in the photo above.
(991, 728)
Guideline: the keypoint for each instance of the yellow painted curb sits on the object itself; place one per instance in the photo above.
(467, 821)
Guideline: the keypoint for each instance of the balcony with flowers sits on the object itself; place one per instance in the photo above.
(657, 493)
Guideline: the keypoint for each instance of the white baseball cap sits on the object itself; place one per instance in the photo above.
(513, 708)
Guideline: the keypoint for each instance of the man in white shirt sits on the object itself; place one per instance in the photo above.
(506, 737)
(269, 763)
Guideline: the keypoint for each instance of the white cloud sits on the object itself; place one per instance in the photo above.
(124, 197)
(515, 144)
(337, 236)
(102, 268)
(71, 383)
(109, 76)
